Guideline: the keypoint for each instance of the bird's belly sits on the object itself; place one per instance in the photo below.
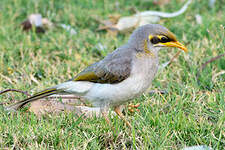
(116, 94)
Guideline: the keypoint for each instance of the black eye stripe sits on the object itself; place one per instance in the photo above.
(155, 40)
(164, 39)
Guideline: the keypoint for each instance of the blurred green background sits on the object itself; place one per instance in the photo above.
(190, 114)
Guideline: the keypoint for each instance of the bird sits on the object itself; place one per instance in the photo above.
(121, 76)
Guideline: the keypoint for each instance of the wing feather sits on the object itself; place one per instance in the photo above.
(114, 68)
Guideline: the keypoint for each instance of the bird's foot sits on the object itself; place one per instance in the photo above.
(132, 108)
(117, 109)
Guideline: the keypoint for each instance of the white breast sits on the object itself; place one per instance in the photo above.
(142, 74)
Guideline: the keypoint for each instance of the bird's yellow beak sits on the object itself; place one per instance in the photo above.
(175, 44)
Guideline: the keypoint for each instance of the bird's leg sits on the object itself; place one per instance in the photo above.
(105, 113)
(117, 109)
(132, 108)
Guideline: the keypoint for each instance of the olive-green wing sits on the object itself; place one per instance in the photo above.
(114, 68)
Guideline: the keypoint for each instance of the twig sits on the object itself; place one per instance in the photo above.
(211, 60)
(207, 62)
(14, 90)
(173, 58)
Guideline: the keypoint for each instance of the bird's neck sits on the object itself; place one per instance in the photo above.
(146, 63)
(144, 69)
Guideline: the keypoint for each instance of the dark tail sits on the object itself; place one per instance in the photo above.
(37, 96)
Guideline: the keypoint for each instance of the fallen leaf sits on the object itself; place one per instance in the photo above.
(108, 25)
(126, 24)
(47, 24)
(33, 20)
(114, 18)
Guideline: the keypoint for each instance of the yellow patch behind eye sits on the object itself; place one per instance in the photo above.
(150, 37)
(161, 36)
(147, 51)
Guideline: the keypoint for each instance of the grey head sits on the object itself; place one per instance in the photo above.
(156, 36)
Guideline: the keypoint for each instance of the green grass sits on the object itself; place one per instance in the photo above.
(190, 114)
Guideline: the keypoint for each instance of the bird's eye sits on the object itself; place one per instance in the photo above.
(164, 39)
(155, 40)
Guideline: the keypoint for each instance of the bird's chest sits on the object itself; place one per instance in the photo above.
(143, 72)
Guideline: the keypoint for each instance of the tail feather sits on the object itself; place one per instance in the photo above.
(37, 96)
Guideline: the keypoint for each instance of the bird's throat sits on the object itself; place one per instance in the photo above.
(147, 52)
